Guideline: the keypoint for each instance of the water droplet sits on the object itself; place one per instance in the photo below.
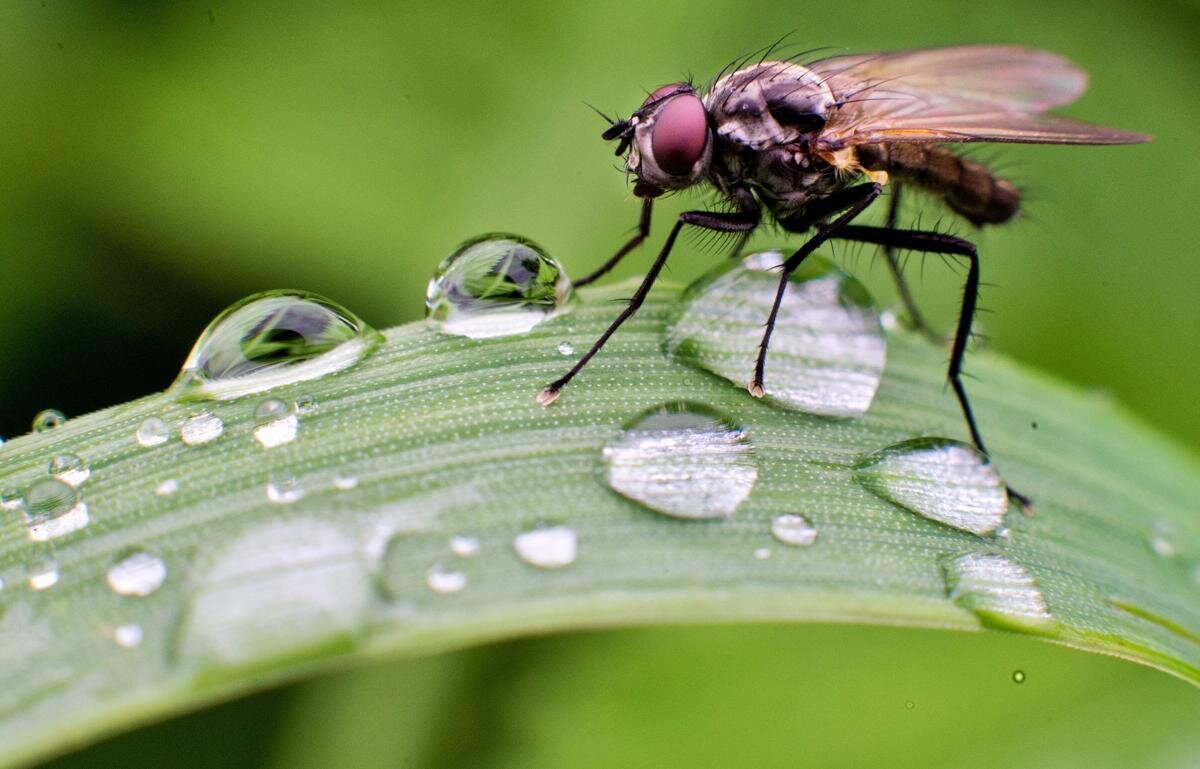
(762, 553)
(999, 590)
(343, 482)
(70, 468)
(442, 580)
(53, 509)
(152, 432)
(167, 487)
(12, 499)
(201, 428)
(1160, 541)
(684, 460)
(138, 573)
(909, 704)
(306, 404)
(495, 285)
(828, 348)
(284, 489)
(128, 636)
(43, 574)
(1018, 676)
(793, 530)
(271, 339)
(944, 480)
(464, 547)
(275, 424)
(47, 420)
(565, 348)
(547, 548)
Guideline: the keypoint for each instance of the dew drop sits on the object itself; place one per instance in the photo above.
(795, 530)
(47, 420)
(275, 424)
(828, 348)
(12, 499)
(345, 482)
(43, 574)
(684, 460)
(909, 704)
(565, 348)
(1160, 541)
(495, 285)
(306, 404)
(271, 339)
(999, 590)
(201, 428)
(944, 480)
(70, 468)
(551, 547)
(464, 547)
(284, 489)
(53, 509)
(152, 432)
(167, 487)
(128, 636)
(442, 580)
(1018, 676)
(762, 553)
(138, 573)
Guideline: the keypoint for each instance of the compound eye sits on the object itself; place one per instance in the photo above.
(679, 134)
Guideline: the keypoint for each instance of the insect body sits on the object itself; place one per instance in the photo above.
(813, 145)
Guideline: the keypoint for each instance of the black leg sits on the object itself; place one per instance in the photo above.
(709, 220)
(642, 233)
(906, 298)
(852, 201)
(937, 243)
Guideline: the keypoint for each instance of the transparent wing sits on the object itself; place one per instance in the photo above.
(961, 94)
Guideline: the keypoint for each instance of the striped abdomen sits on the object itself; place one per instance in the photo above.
(966, 186)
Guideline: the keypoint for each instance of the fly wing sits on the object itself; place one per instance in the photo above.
(961, 94)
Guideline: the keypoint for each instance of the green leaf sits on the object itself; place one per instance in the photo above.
(433, 437)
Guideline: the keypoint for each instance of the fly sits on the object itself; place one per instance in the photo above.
(814, 145)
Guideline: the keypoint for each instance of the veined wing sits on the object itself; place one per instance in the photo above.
(961, 94)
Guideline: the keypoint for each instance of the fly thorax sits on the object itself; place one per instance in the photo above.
(769, 104)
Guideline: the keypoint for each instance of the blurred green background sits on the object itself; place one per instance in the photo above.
(159, 161)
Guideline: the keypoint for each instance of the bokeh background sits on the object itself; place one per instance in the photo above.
(159, 161)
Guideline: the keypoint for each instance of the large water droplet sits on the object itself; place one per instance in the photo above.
(999, 590)
(42, 573)
(275, 424)
(795, 530)
(944, 480)
(201, 428)
(47, 420)
(271, 339)
(827, 351)
(551, 547)
(53, 509)
(152, 432)
(138, 573)
(495, 285)
(685, 460)
(443, 580)
(70, 468)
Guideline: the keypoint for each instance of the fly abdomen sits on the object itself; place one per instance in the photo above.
(967, 187)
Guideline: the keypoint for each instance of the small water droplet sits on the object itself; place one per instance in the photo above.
(284, 489)
(999, 590)
(762, 553)
(944, 480)
(12, 499)
(684, 460)
(47, 420)
(795, 530)
(1018, 676)
(275, 424)
(565, 348)
(909, 704)
(551, 547)
(1161, 540)
(128, 636)
(167, 487)
(70, 468)
(828, 348)
(43, 573)
(201, 428)
(464, 547)
(138, 573)
(442, 580)
(152, 432)
(306, 404)
(495, 285)
(53, 509)
(271, 339)
(345, 482)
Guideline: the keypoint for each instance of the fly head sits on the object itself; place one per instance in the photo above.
(668, 140)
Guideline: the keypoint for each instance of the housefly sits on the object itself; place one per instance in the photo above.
(813, 145)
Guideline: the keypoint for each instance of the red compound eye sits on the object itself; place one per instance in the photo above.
(680, 133)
